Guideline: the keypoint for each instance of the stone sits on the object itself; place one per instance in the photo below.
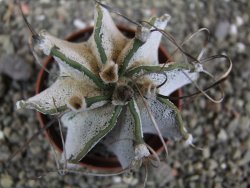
(212, 164)
(1, 135)
(79, 24)
(15, 67)
(218, 185)
(244, 123)
(222, 135)
(117, 179)
(163, 173)
(194, 178)
(222, 30)
(130, 180)
(7, 121)
(248, 108)
(7, 131)
(245, 159)
(223, 166)
(239, 21)
(6, 181)
(240, 47)
(7, 45)
(206, 153)
(4, 150)
(198, 166)
(233, 30)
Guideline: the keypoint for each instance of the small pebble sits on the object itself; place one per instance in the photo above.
(198, 166)
(222, 30)
(32, 183)
(40, 17)
(117, 179)
(194, 178)
(233, 30)
(239, 21)
(7, 131)
(79, 24)
(246, 158)
(241, 47)
(212, 164)
(248, 107)
(130, 180)
(222, 135)
(6, 44)
(223, 166)
(218, 185)
(1, 135)
(15, 67)
(206, 153)
(163, 174)
(6, 181)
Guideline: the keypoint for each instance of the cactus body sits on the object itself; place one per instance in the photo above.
(103, 86)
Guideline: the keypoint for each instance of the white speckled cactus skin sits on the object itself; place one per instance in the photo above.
(103, 86)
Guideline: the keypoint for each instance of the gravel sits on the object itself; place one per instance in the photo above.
(15, 67)
(221, 156)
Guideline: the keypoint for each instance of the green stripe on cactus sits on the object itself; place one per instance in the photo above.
(98, 35)
(96, 138)
(136, 45)
(55, 52)
(137, 120)
(177, 115)
(92, 100)
(157, 69)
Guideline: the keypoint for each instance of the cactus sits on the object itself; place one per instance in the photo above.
(110, 89)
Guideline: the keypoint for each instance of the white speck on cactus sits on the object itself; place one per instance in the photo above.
(141, 151)
(18, 104)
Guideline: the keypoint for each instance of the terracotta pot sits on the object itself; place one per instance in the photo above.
(91, 161)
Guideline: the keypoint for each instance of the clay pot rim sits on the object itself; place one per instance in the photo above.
(115, 166)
